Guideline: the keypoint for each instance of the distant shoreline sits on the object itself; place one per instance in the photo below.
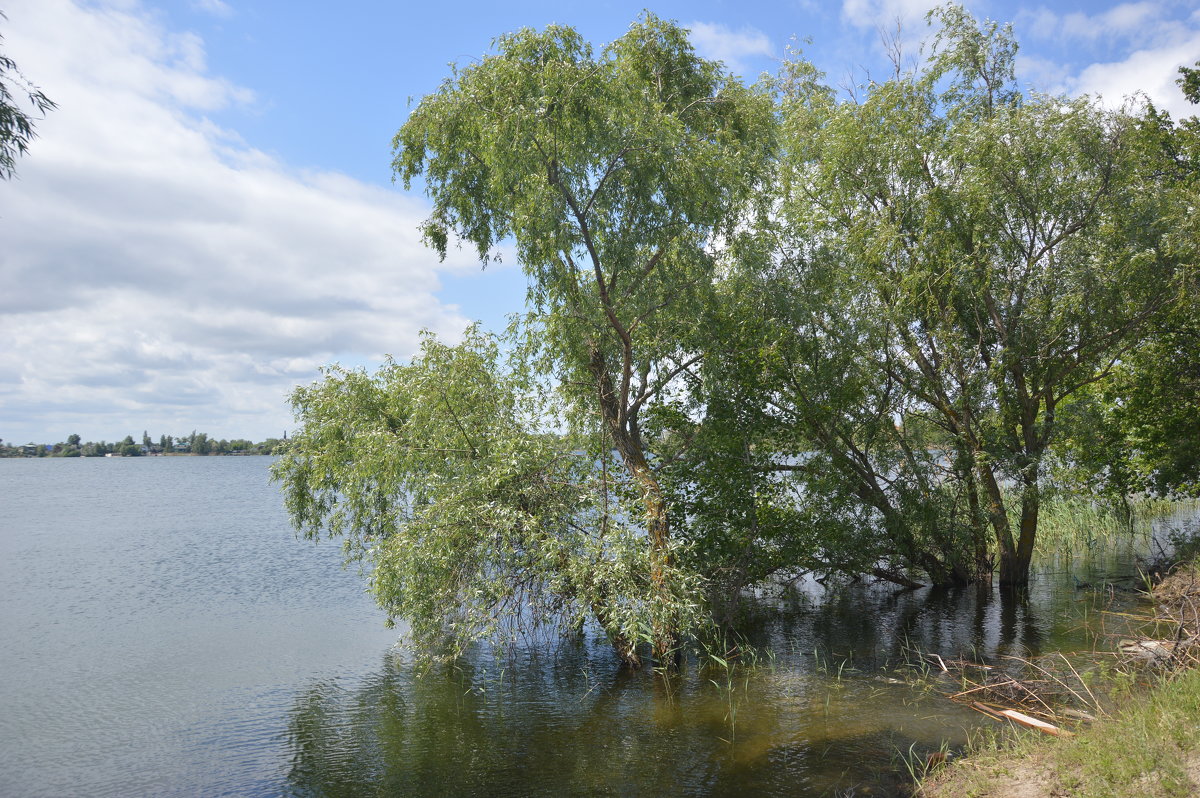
(197, 444)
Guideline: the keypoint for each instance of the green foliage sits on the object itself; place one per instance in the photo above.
(1140, 430)
(198, 443)
(446, 479)
(16, 124)
(1189, 82)
(613, 174)
(616, 174)
(75, 447)
(999, 251)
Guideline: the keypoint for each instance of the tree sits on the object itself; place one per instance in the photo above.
(1006, 250)
(198, 443)
(617, 175)
(444, 476)
(1189, 83)
(1140, 431)
(72, 440)
(16, 124)
(875, 482)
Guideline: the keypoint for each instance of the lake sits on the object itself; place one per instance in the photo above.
(166, 634)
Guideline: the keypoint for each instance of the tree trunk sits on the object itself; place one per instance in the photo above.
(1014, 558)
(895, 577)
(1014, 568)
(983, 563)
(658, 530)
(625, 438)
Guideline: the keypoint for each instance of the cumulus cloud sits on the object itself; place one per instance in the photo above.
(1150, 71)
(156, 272)
(1129, 49)
(722, 43)
(1126, 20)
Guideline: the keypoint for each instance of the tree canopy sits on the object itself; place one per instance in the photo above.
(1000, 252)
(770, 329)
(615, 174)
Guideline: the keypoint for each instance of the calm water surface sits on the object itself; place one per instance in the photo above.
(164, 633)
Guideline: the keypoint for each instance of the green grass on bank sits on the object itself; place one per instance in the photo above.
(1150, 746)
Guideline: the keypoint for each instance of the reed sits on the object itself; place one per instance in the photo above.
(1075, 525)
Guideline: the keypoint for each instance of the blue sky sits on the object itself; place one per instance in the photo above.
(209, 216)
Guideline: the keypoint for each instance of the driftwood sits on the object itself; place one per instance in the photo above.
(1043, 697)
(1034, 723)
(1019, 717)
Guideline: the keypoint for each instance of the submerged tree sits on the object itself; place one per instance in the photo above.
(617, 175)
(474, 518)
(1002, 252)
(767, 332)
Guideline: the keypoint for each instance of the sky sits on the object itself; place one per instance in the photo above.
(209, 215)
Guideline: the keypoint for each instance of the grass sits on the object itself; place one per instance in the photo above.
(1150, 746)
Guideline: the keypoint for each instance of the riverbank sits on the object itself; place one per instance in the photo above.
(1150, 746)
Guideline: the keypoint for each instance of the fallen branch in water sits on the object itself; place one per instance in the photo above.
(1034, 723)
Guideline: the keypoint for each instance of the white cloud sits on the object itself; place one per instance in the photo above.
(158, 274)
(218, 8)
(1151, 71)
(1128, 49)
(722, 43)
(1126, 20)
(1123, 20)
(885, 14)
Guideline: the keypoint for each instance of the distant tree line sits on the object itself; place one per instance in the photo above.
(197, 443)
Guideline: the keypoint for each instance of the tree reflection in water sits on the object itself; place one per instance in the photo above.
(569, 722)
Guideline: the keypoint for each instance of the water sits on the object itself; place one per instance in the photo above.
(159, 619)
(164, 633)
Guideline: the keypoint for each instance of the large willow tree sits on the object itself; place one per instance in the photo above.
(616, 175)
(999, 251)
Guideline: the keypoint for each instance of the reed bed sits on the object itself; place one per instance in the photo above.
(1074, 524)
